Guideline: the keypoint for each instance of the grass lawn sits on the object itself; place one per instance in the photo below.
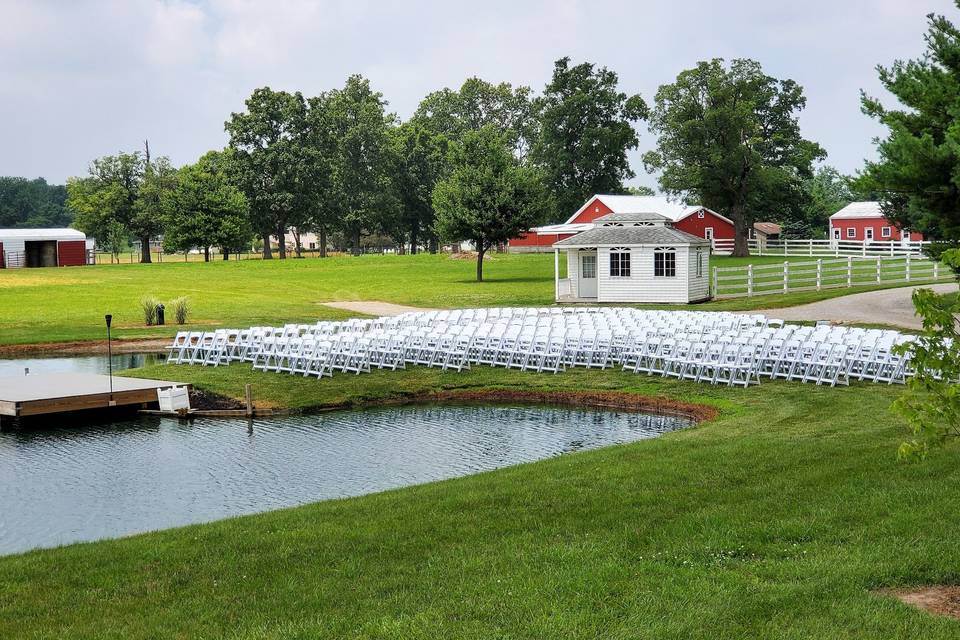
(775, 520)
(52, 305)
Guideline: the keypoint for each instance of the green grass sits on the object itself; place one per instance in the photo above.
(52, 305)
(775, 520)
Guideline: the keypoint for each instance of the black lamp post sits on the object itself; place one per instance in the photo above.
(109, 319)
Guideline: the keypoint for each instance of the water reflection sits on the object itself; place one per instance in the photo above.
(79, 364)
(84, 483)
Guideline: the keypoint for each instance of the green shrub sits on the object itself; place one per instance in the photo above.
(181, 307)
(149, 306)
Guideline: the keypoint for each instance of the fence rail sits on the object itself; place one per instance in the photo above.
(825, 248)
(757, 280)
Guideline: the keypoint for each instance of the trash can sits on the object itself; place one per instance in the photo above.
(159, 314)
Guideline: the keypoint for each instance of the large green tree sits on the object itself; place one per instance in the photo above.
(489, 196)
(420, 162)
(729, 137)
(917, 174)
(364, 198)
(827, 191)
(121, 192)
(477, 104)
(586, 129)
(270, 161)
(33, 203)
(205, 209)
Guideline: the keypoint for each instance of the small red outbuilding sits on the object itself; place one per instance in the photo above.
(864, 221)
(43, 248)
(693, 219)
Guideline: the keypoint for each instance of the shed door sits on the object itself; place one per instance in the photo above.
(587, 284)
(869, 233)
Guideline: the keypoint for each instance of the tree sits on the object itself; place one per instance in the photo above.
(918, 171)
(586, 129)
(640, 190)
(478, 104)
(827, 191)
(931, 402)
(121, 191)
(269, 140)
(730, 138)
(489, 196)
(33, 204)
(205, 209)
(420, 161)
(364, 199)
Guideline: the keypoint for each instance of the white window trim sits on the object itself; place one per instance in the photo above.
(851, 232)
(665, 251)
(886, 232)
(624, 251)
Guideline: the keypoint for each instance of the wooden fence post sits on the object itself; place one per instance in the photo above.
(819, 273)
(936, 269)
(786, 276)
(811, 246)
(908, 267)
(879, 267)
(849, 271)
(749, 280)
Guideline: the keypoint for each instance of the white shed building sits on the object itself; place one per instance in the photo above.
(43, 248)
(633, 257)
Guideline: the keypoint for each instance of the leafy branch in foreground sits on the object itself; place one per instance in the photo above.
(931, 402)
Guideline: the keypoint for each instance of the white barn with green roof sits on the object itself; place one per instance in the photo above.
(632, 257)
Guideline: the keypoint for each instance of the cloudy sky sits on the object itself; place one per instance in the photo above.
(81, 79)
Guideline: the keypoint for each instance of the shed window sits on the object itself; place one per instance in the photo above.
(851, 232)
(620, 263)
(665, 262)
(885, 232)
(699, 263)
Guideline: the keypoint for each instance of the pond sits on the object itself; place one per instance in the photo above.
(78, 364)
(97, 481)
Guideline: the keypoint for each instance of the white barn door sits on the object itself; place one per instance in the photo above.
(587, 283)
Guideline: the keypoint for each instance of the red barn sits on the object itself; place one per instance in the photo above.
(865, 222)
(693, 219)
(43, 248)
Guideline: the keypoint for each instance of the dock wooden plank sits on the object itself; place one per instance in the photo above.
(41, 394)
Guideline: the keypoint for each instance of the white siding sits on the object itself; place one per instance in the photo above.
(642, 286)
(573, 270)
(699, 287)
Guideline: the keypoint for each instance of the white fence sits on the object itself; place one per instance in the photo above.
(756, 280)
(824, 248)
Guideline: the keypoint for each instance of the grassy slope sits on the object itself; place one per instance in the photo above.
(775, 520)
(50, 305)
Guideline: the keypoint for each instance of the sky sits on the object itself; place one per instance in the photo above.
(80, 79)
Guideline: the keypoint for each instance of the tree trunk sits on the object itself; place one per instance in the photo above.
(145, 249)
(296, 242)
(282, 242)
(267, 250)
(741, 233)
(225, 253)
(323, 242)
(480, 251)
(434, 244)
(206, 254)
(356, 242)
(414, 233)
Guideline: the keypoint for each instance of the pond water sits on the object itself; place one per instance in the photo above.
(94, 481)
(78, 364)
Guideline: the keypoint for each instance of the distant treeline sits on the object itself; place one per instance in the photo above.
(33, 203)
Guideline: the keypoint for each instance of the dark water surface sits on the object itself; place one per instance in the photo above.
(99, 481)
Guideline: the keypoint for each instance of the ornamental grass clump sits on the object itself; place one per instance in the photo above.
(181, 307)
(149, 306)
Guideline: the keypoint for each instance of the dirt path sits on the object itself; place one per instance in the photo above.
(887, 306)
(374, 307)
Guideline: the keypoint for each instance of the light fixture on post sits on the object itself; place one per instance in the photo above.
(109, 319)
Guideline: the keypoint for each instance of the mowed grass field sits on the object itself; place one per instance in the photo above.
(778, 519)
(68, 304)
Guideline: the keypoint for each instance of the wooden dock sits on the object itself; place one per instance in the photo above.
(45, 394)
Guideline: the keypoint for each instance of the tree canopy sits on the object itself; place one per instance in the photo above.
(489, 196)
(917, 174)
(586, 129)
(33, 203)
(729, 137)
